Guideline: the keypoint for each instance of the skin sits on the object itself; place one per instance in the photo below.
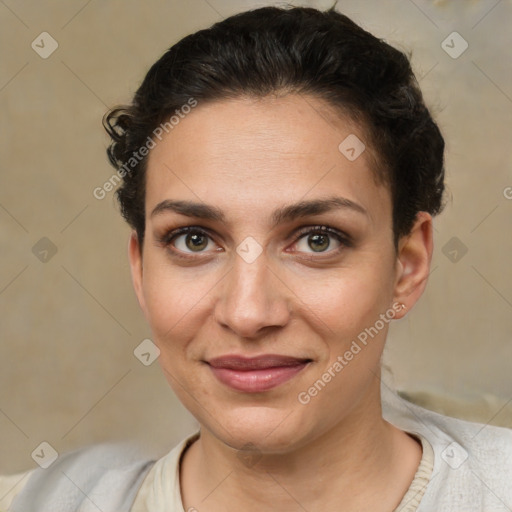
(248, 157)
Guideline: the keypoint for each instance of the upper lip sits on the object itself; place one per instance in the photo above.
(234, 362)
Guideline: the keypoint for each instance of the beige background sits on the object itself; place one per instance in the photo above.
(69, 326)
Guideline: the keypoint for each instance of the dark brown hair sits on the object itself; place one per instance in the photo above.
(284, 50)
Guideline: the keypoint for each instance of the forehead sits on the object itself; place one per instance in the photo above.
(251, 153)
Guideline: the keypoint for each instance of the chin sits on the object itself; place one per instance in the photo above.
(262, 428)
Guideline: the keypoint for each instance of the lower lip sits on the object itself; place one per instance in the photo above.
(256, 381)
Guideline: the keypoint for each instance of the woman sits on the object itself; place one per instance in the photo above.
(280, 173)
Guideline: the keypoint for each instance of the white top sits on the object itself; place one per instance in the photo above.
(465, 467)
(161, 489)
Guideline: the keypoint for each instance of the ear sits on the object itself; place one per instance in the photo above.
(413, 263)
(136, 267)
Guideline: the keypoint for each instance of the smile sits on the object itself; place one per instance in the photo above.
(258, 374)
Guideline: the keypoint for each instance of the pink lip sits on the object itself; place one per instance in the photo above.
(256, 374)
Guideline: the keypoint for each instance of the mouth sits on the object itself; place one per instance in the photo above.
(256, 374)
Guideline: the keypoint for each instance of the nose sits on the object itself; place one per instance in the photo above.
(252, 299)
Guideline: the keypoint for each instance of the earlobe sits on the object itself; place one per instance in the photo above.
(413, 264)
(136, 267)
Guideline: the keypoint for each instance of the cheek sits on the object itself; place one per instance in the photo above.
(350, 299)
(174, 298)
(349, 308)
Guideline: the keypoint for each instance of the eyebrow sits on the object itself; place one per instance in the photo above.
(285, 213)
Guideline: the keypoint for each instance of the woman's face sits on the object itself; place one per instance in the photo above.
(291, 254)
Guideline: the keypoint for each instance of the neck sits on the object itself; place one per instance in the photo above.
(360, 461)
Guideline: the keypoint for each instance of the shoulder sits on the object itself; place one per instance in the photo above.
(472, 461)
(473, 466)
(162, 484)
(480, 438)
(106, 475)
(11, 486)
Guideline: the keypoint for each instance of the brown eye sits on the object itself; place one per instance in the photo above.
(319, 240)
(189, 240)
(196, 242)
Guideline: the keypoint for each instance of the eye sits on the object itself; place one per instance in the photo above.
(194, 241)
(187, 240)
(321, 239)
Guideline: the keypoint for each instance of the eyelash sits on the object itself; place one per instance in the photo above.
(167, 238)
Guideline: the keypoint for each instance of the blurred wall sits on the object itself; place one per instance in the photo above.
(69, 321)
